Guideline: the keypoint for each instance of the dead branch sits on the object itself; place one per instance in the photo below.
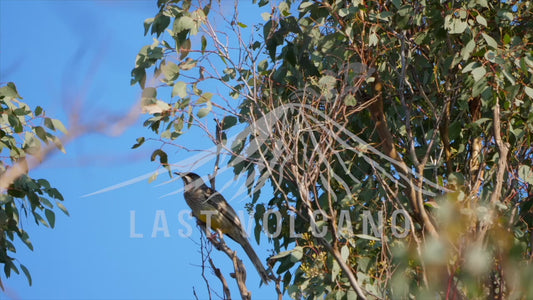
(240, 270)
(503, 149)
(220, 276)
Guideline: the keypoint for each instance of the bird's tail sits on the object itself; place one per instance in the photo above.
(255, 260)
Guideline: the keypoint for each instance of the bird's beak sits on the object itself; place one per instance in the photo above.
(178, 173)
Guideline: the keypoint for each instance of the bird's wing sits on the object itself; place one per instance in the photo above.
(232, 224)
(234, 229)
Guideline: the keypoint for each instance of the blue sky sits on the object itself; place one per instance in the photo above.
(64, 55)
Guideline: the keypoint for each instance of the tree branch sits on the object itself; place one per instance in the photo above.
(347, 270)
(218, 273)
(240, 270)
(503, 149)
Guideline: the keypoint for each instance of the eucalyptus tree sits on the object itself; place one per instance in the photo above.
(395, 135)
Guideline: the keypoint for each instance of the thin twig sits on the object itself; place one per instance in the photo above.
(205, 257)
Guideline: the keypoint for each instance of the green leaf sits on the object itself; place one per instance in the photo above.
(352, 293)
(281, 254)
(350, 100)
(183, 23)
(238, 145)
(526, 173)
(467, 50)
(470, 67)
(231, 73)
(31, 144)
(373, 39)
(283, 8)
(58, 144)
(204, 44)
(529, 91)
(478, 73)
(335, 270)
(153, 177)
(62, 208)
(366, 237)
(26, 239)
(304, 5)
(256, 45)
(191, 119)
(51, 217)
(155, 52)
(38, 111)
(505, 14)
(204, 111)
(163, 157)
(138, 74)
(170, 70)
(188, 64)
(481, 20)
(59, 126)
(506, 39)
(483, 3)
(454, 130)
(160, 24)
(15, 123)
(179, 89)
(491, 56)
(178, 124)
(34, 199)
(148, 93)
(509, 76)
(41, 133)
(39, 219)
(16, 193)
(266, 16)
(490, 41)
(48, 123)
(147, 24)
(9, 91)
(385, 15)
(166, 134)
(457, 179)
(345, 252)
(46, 202)
(21, 112)
(228, 122)
(296, 254)
(196, 90)
(53, 192)
(242, 25)
(262, 66)
(140, 141)
(453, 25)
(327, 82)
(480, 87)
(27, 273)
(205, 98)
(185, 48)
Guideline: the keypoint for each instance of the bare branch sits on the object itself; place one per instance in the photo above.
(240, 270)
(218, 273)
(503, 149)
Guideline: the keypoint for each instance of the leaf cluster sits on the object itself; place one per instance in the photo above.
(352, 106)
(23, 135)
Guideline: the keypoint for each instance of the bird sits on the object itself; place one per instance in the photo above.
(201, 198)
